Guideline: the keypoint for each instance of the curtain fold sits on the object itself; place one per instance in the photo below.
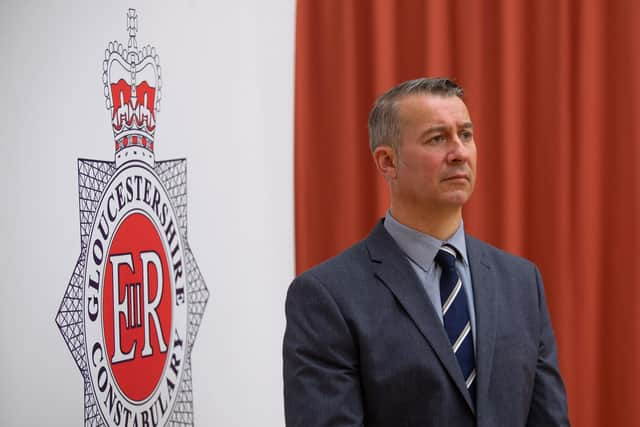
(554, 92)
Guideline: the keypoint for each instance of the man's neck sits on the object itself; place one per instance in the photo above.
(439, 224)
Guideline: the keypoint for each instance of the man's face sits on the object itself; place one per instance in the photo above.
(436, 156)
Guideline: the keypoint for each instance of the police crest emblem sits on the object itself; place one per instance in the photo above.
(135, 300)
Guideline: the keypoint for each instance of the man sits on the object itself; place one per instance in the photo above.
(420, 324)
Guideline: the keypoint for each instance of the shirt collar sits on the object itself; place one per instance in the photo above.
(422, 248)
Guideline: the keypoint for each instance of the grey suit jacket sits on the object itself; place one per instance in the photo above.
(364, 346)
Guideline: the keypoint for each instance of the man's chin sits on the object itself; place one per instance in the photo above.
(457, 198)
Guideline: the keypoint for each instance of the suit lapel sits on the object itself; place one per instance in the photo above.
(484, 293)
(393, 269)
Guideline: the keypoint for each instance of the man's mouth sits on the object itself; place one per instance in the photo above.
(456, 177)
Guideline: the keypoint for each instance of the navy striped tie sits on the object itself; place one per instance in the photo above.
(455, 314)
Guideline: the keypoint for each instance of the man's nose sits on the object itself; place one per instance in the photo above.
(458, 151)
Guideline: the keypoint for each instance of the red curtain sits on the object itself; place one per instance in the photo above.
(553, 87)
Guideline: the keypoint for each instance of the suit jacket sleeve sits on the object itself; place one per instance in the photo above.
(548, 403)
(321, 380)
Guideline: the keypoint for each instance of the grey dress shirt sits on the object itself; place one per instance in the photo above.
(421, 249)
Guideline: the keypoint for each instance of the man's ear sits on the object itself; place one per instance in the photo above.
(386, 161)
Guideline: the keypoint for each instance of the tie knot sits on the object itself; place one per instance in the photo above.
(446, 257)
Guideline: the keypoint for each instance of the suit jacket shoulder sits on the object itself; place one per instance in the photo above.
(496, 255)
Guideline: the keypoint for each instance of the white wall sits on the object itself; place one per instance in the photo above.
(227, 106)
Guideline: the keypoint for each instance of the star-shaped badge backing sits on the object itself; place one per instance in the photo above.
(93, 178)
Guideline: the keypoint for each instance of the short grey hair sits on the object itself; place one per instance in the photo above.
(384, 128)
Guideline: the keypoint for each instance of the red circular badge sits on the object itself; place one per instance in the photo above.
(136, 307)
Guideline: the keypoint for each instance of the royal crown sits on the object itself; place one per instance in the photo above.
(132, 87)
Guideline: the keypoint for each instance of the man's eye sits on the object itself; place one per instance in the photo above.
(466, 136)
(437, 139)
